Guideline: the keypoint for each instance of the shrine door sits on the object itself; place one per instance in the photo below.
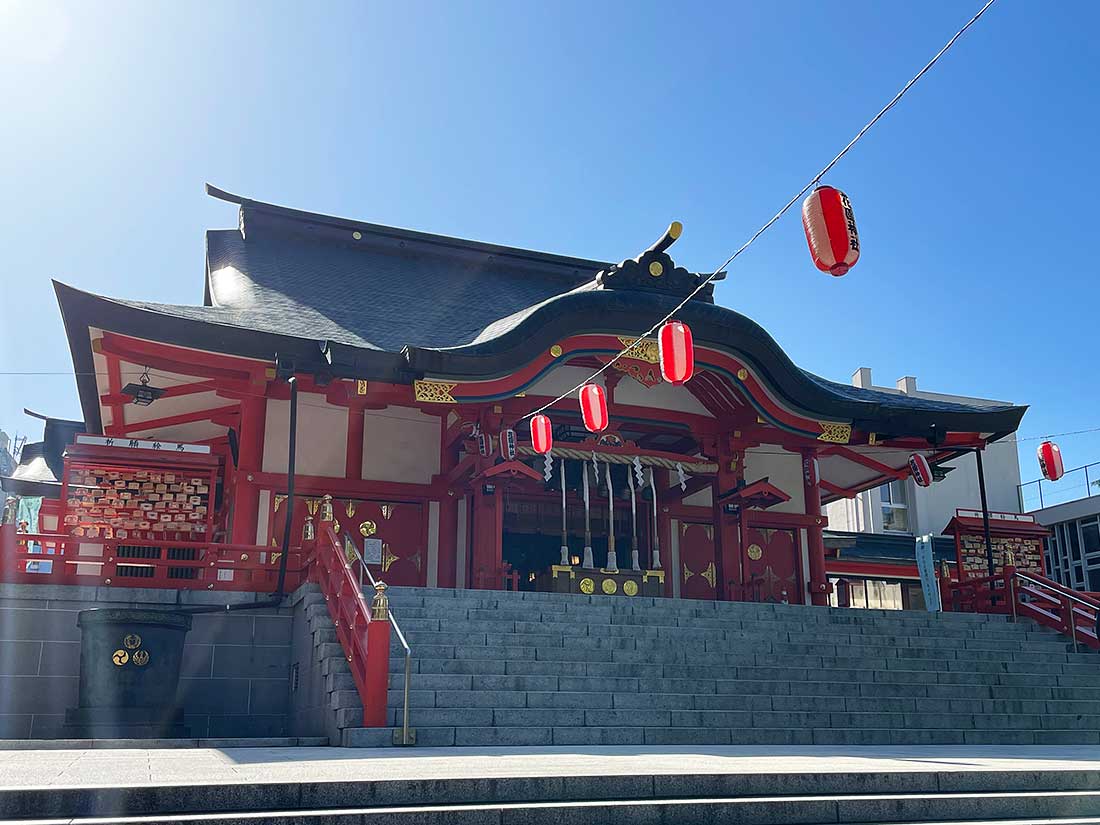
(697, 562)
(772, 566)
(391, 535)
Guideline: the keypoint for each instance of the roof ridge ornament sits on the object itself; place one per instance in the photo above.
(655, 271)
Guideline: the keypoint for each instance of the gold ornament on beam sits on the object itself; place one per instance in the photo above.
(687, 572)
(835, 432)
(312, 505)
(388, 558)
(387, 510)
(644, 349)
(709, 574)
(349, 508)
(367, 529)
(279, 499)
(434, 392)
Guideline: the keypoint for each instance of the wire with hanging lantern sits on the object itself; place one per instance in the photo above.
(143, 392)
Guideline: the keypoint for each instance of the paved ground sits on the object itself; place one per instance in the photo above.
(88, 768)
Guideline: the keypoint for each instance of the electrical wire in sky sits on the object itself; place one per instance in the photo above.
(813, 181)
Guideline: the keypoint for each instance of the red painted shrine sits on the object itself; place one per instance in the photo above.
(406, 348)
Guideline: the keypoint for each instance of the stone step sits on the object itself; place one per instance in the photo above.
(765, 667)
(468, 698)
(527, 717)
(745, 688)
(715, 640)
(629, 735)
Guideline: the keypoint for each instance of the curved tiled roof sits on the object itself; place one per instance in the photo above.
(285, 279)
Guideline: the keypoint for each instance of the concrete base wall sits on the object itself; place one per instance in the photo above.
(236, 665)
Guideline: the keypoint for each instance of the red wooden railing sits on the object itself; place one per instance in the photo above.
(45, 558)
(1020, 593)
(364, 634)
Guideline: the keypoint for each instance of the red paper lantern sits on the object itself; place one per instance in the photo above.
(677, 352)
(1050, 461)
(920, 470)
(830, 230)
(542, 434)
(594, 408)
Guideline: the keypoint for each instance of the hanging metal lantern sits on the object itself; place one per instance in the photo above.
(508, 444)
(1050, 461)
(594, 408)
(830, 230)
(542, 434)
(920, 469)
(677, 352)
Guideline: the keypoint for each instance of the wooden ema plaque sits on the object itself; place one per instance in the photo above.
(138, 493)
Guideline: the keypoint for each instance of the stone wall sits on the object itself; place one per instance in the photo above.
(236, 665)
(1027, 553)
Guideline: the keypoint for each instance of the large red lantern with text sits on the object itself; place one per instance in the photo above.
(1050, 461)
(920, 470)
(594, 408)
(542, 434)
(677, 352)
(830, 230)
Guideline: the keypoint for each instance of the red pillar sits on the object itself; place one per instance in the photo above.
(487, 550)
(819, 582)
(728, 548)
(377, 673)
(250, 453)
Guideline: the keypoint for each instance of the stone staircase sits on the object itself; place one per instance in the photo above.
(496, 668)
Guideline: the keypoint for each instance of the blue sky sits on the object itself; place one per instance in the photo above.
(584, 129)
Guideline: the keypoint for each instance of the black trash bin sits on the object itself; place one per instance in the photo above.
(129, 675)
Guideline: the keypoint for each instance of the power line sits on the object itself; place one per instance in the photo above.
(781, 212)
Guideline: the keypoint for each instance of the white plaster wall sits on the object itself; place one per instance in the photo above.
(703, 498)
(782, 469)
(662, 396)
(627, 391)
(400, 444)
(935, 506)
(322, 437)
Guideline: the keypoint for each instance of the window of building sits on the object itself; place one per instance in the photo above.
(895, 507)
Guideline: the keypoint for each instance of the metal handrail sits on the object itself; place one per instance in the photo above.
(1060, 590)
(1069, 596)
(349, 544)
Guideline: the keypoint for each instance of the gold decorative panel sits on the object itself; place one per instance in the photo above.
(434, 392)
(388, 558)
(387, 510)
(755, 552)
(835, 432)
(641, 350)
(630, 587)
(608, 586)
(367, 529)
(687, 573)
(709, 574)
(588, 586)
(279, 499)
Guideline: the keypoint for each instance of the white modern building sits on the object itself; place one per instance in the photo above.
(902, 507)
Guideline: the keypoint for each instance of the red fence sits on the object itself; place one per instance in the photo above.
(40, 558)
(1017, 593)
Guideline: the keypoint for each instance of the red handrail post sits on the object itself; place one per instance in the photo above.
(377, 676)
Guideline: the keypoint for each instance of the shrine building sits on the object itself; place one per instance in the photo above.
(412, 354)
